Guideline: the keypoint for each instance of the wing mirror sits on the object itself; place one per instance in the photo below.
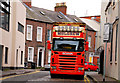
(86, 46)
(48, 44)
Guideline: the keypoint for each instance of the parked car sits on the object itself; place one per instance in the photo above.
(91, 67)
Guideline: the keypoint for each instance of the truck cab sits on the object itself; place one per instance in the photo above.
(68, 49)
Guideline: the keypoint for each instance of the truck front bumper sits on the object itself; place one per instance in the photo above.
(67, 72)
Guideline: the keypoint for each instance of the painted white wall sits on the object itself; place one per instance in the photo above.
(111, 67)
(14, 39)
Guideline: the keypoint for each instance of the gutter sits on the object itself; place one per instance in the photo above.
(38, 20)
(110, 1)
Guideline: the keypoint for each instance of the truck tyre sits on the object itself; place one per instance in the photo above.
(53, 76)
(82, 77)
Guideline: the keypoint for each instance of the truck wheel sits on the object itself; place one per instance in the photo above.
(82, 77)
(88, 69)
(53, 76)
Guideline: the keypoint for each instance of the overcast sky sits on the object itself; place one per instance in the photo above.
(77, 7)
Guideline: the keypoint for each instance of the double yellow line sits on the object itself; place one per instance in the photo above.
(86, 80)
(18, 75)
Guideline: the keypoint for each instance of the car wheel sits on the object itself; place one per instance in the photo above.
(88, 69)
(97, 70)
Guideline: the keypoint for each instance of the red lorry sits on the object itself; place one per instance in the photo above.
(68, 49)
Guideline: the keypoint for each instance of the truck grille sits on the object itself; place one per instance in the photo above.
(67, 62)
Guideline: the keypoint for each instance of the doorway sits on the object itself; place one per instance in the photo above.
(101, 62)
(1, 54)
(40, 57)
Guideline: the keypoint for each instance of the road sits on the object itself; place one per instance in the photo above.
(40, 77)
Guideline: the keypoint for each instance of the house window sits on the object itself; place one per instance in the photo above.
(89, 40)
(39, 34)
(30, 54)
(21, 57)
(6, 55)
(29, 32)
(20, 27)
(4, 14)
(116, 42)
(49, 35)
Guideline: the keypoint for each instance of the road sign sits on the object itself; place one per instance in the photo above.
(107, 32)
(107, 28)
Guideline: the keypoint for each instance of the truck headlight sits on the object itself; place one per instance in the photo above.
(80, 68)
(53, 67)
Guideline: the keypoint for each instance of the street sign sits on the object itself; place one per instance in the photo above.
(107, 28)
(107, 32)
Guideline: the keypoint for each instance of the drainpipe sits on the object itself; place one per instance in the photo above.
(45, 43)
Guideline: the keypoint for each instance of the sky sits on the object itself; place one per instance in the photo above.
(74, 7)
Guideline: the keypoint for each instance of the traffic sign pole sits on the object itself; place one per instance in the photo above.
(104, 62)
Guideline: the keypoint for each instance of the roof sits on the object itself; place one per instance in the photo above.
(32, 14)
(45, 15)
(92, 24)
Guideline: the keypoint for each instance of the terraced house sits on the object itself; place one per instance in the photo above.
(39, 23)
(12, 34)
(93, 31)
(111, 16)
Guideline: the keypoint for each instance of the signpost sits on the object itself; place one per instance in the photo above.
(107, 30)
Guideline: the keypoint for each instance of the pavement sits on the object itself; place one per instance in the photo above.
(17, 72)
(98, 78)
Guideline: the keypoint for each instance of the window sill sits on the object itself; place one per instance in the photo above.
(30, 61)
(111, 62)
(5, 29)
(113, 7)
(39, 41)
(29, 40)
(115, 62)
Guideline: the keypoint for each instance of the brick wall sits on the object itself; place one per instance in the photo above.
(92, 48)
(34, 43)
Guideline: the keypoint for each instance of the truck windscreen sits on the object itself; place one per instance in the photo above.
(68, 45)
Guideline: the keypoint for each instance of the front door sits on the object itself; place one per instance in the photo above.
(40, 57)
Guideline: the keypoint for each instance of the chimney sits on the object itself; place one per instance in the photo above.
(27, 2)
(61, 7)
